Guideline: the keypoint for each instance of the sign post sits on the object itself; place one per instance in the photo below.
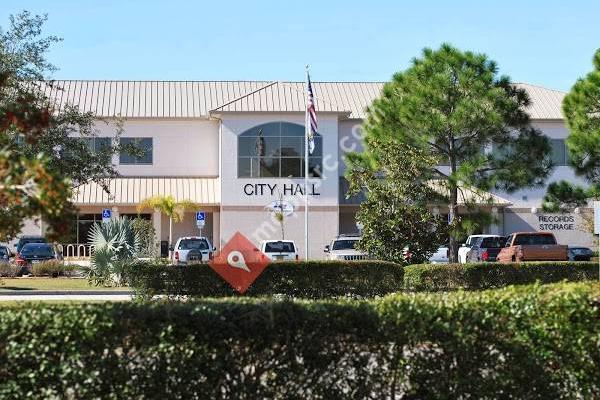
(106, 214)
(200, 220)
(597, 230)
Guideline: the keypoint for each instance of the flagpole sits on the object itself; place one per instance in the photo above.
(306, 135)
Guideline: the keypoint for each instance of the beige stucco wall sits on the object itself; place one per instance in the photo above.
(180, 147)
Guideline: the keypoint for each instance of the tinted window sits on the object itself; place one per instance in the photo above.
(276, 149)
(279, 247)
(526, 240)
(144, 146)
(491, 243)
(193, 244)
(35, 249)
(344, 244)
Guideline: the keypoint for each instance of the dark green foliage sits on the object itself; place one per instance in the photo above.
(310, 280)
(434, 277)
(580, 108)
(394, 215)
(520, 343)
(563, 197)
(454, 105)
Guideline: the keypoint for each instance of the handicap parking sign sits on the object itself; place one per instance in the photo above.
(106, 214)
(200, 219)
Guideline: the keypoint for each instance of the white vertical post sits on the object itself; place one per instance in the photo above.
(306, 135)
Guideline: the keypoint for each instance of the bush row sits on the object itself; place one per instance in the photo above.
(526, 342)
(309, 279)
(45, 268)
(434, 277)
(325, 279)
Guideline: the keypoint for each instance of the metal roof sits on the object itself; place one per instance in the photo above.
(131, 191)
(279, 97)
(196, 99)
(545, 103)
(466, 195)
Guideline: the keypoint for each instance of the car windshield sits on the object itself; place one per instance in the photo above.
(40, 250)
(345, 244)
(193, 244)
(492, 243)
(25, 241)
(279, 247)
(524, 240)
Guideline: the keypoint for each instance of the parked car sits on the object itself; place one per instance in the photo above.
(5, 254)
(486, 249)
(343, 248)
(532, 246)
(577, 253)
(464, 249)
(192, 249)
(33, 253)
(440, 256)
(279, 250)
(23, 240)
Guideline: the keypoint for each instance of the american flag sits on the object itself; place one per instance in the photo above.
(312, 116)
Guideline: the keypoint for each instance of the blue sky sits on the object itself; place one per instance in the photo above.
(549, 43)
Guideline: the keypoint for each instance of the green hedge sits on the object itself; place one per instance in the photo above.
(527, 342)
(434, 277)
(311, 280)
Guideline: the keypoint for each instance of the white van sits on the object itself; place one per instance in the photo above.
(279, 250)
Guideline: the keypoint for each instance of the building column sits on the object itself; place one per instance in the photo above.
(216, 222)
(115, 213)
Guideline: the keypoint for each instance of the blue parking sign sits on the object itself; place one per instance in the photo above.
(106, 213)
(200, 216)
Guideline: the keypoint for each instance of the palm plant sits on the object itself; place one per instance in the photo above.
(167, 205)
(116, 245)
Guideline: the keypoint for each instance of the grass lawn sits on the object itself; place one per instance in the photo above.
(61, 284)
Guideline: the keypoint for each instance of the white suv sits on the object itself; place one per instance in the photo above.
(192, 249)
(279, 250)
(342, 248)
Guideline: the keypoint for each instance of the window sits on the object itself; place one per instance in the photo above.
(560, 155)
(143, 146)
(279, 247)
(97, 144)
(276, 150)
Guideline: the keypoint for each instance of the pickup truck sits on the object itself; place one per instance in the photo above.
(532, 246)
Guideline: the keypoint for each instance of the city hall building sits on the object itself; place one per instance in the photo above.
(234, 148)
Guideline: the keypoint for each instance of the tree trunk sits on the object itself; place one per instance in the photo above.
(452, 215)
(453, 206)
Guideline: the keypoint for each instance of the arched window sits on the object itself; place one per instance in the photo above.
(276, 150)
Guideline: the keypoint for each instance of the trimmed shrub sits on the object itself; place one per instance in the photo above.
(307, 279)
(53, 268)
(434, 277)
(9, 270)
(528, 342)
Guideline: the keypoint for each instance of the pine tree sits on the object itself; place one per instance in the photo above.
(581, 108)
(454, 105)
